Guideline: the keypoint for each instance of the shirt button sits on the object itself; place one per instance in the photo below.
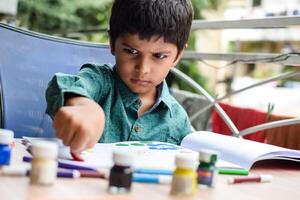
(136, 102)
(137, 128)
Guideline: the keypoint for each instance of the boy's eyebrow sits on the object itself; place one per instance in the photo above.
(127, 45)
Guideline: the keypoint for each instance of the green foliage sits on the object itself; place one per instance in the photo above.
(199, 5)
(61, 16)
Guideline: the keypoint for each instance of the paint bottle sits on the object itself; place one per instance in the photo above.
(6, 138)
(120, 177)
(207, 170)
(44, 163)
(184, 180)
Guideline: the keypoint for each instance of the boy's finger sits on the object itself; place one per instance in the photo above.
(59, 132)
(68, 138)
(68, 134)
(78, 143)
(76, 156)
(57, 125)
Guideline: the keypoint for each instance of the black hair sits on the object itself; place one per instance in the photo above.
(170, 19)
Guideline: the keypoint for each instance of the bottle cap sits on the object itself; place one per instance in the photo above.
(45, 149)
(208, 156)
(266, 177)
(188, 161)
(122, 158)
(6, 136)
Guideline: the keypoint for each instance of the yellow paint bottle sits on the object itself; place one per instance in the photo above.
(184, 180)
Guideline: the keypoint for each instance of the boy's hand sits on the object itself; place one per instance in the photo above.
(79, 123)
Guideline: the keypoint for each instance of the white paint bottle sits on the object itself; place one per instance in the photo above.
(44, 163)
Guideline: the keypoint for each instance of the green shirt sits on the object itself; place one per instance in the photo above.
(166, 121)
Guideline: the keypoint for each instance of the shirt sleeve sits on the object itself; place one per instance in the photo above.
(89, 82)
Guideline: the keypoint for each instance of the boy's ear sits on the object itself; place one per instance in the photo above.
(112, 48)
(180, 54)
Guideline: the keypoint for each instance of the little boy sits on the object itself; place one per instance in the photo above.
(128, 101)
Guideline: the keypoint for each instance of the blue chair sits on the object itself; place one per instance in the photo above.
(28, 60)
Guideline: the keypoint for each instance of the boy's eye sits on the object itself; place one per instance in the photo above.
(131, 51)
(160, 55)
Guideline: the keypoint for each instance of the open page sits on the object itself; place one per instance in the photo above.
(238, 151)
(154, 155)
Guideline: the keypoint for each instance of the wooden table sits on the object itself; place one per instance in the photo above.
(285, 185)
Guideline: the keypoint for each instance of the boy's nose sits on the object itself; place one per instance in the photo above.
(143, 66)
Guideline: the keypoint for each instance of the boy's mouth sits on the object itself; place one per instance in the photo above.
(140, 82)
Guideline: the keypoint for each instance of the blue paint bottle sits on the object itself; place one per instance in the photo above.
(6, 138)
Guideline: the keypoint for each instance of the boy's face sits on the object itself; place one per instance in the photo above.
(144, 64)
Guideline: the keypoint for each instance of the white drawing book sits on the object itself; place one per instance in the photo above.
(234, 152)
(237, 151)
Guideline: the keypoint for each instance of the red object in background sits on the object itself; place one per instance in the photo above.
(242, 118)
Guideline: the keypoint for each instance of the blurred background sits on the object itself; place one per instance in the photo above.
(88, 20)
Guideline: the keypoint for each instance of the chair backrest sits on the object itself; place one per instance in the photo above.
(28, 60)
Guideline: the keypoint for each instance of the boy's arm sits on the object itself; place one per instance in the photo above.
(79, 123)
(72, 104)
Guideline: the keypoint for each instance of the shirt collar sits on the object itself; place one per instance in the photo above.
(165, 96)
